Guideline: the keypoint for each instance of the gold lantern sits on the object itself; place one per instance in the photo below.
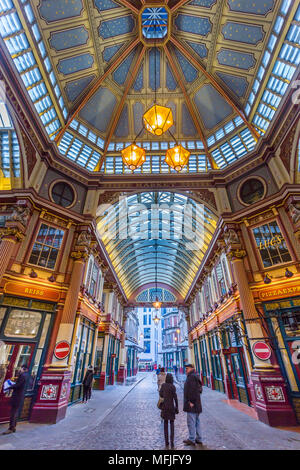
(133, 156)
(157, 303)
(177, 157)
(158, 119)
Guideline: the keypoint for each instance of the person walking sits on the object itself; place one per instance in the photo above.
(17, 397)
(192, 405)
(87, 384)
(169, 408)
(161, 378)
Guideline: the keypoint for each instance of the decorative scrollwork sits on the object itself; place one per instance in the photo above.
(11, 232)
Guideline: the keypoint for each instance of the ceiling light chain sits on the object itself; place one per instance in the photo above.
(157, 120)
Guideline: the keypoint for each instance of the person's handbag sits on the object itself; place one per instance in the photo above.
(160, 403)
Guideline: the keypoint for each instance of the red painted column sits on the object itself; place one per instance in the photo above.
(55, 382)
(264, 378)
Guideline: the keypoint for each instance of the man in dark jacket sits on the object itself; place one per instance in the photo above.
(192, 405)
(17, 398)
(87, 384)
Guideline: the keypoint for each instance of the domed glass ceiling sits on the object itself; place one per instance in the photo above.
(222, 68)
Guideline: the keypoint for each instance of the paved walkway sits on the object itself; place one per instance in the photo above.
(126, 417)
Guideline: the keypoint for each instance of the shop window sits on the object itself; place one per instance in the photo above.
(271, 244)
(63, 194)
(93, 278)
(46, 247)
(147, 333)
(83, 349)
(24, 336)
(220, 279)
(22, 324)
(238, 370)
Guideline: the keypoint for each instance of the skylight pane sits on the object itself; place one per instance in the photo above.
(29, 13)
(285, 5)
(278, 24)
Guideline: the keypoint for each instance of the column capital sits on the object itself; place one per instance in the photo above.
(14, 232)
(80, 254)
(237, 253)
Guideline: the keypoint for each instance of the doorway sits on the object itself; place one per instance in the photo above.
(13, 356)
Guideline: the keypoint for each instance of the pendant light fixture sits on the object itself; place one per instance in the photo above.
(158, 119)
(133, 156)
(177, 157)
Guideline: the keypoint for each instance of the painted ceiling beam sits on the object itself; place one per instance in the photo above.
(130, 81)
(96, 86)
(179, 4)
(129, 5)
(190, 106)
(216, 85)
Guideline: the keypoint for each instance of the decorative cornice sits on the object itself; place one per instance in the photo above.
(11, 232)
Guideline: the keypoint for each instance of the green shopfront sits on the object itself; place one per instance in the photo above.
(25, 329)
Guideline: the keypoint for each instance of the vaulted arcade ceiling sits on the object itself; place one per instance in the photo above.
(100, 65)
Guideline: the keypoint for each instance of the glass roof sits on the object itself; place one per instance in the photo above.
(61, 56)
(154, 22)
(156, 237)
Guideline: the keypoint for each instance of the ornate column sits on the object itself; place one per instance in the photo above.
(190, 351)
(55, 382)
(12, 234)
(122, 362)
(267, 384)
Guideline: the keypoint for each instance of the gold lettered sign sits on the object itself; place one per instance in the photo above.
(274, 241)
(33, 291)
(280, 292)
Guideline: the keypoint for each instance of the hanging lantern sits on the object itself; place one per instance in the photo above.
(157, 303)
(156, 319)
(158, 119)
(133, 156)
(177, 157)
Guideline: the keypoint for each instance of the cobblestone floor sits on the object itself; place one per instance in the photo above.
(134, 424)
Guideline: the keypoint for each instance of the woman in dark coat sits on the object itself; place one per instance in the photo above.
(169, 407)
(87, 384)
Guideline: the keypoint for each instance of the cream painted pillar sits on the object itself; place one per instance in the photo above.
(266, 380)
(66, 326)
(254, 328)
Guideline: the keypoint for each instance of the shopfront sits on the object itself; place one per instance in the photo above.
(216, 362)
(235, 362)
(204, 362)
(283, 317)
(25, 328)
(98, 360)
(131, 361)
(113, 355)
(82, 355)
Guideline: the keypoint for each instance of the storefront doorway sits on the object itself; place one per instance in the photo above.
(25, 328)
(283, 317)
(13, 356)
